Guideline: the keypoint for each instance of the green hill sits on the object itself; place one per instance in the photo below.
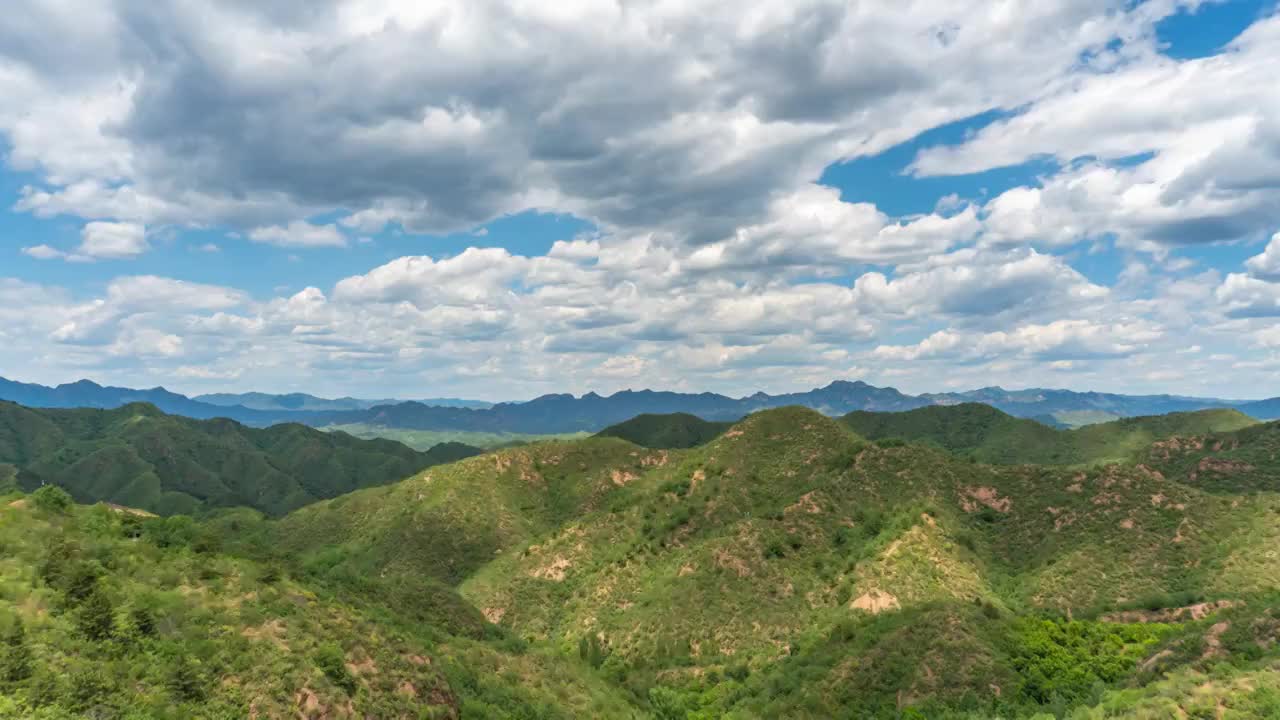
(671, 431)
(109, 614)
(138, 456)
(1245, 460)
(790, 568)
(989, 435)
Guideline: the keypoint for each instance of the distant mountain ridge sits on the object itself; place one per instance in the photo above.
(564, 413)
(1041, 401)
(303, 402)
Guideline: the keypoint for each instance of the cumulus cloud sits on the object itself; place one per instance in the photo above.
(43, 252)
(99, 241)
(1058, 341)
(440, 116)
(1266, 266)
(1159, 152)
(981, 285)
(111, 240)
(813, 229)
(1244, 296)
(299, 233)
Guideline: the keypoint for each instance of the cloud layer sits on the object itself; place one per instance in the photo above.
(692, 136)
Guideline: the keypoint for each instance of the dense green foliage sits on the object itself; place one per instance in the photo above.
(989, 435)
(139, 457)
(676, 430)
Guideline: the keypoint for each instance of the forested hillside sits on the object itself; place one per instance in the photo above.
(789, 567)
(140, 457)
(677, 430)
(989, 435)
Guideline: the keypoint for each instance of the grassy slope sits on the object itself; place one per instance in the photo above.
(448, 521)
(140, 457)
(991, 436)
(671, 431)
(253, 643)
(1240, 461)
(751, 558)
(427, 439)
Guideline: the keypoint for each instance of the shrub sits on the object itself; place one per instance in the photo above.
(96, 618)
(270, 574)
(679, 488)
(667, 704)
(15, 654)
(51, 498)
(185, 680)
(332, 662)
(175, 531)
(592, 651)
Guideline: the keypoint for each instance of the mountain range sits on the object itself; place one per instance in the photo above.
(564, 413)
(302, 402)
(950, 562)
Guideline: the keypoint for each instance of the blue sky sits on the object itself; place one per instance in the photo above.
(1089, 204)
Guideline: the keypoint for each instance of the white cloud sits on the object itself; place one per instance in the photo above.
(112, 241)
(1159, 152)
(980, 284)
(299, 233)
(99, 241)
(1266, 266)
(444, 116)
(1244, 296)
(1061, 340)
(1269, 337)
(43, 252)
(814, 229)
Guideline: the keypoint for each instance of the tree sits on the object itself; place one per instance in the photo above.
(97, 616)
(592, 651)
(185, 680)
(15, 662)
(51, 498)
(144, 621)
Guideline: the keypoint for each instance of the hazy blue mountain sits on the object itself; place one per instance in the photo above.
(302, 402)
(561, 413)
(1263, 409)
(1044, 402)
(88, 394)
(564, 413)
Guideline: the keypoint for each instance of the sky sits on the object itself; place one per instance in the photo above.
(394, 198)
